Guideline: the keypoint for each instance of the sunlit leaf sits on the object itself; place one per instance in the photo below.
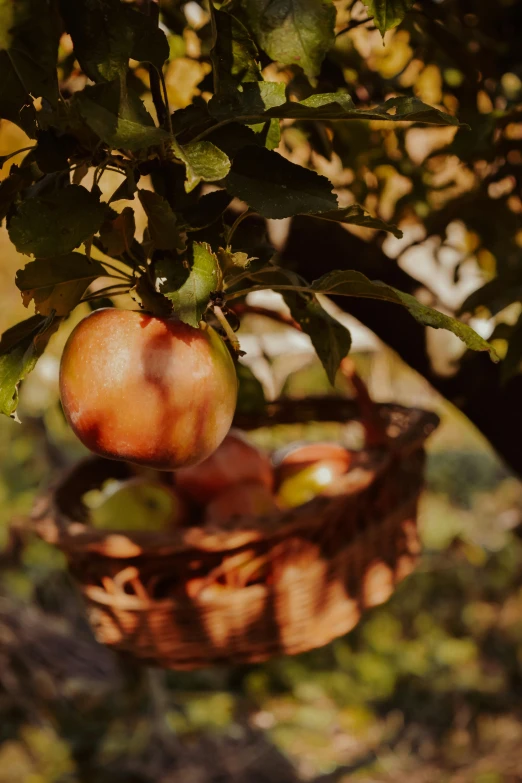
(293, 32)
(55, 223)
(387, 13)
(189, 287)
(118, 116)
(204, 162)
(57, 284)
(352, 283)
(20, 348)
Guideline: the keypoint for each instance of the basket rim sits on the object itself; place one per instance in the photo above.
(52, 522)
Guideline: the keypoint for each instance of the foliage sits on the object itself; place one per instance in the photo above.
(267, 79)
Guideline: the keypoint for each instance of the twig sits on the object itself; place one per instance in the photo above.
(353, 24)
(246, 309)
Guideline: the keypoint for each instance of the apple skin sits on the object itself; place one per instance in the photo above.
(151, 391)
(306, 471)
(139, 504)
(233, 462)
(331, 455)
(249, 498)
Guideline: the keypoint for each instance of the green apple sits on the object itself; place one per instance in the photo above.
(136, 504)
(305, 484)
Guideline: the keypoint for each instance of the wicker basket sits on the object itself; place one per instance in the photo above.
(284, 584)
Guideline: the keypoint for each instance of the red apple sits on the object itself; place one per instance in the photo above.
(233, 462)
(152, 391)
(249, 498)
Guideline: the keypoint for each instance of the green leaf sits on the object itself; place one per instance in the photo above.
(29, 36)
(250, 99)
(330, 338)
(204, 162)
(277, 188)
(189, 287)
(20, 348)
(11, 186)
(163, 228)
(387, 13)
(234, 54)
(208, 209)
(293, 32)
(339, 106)
(352, 283)
(356, 215)
(250, 395)
(117, 234)
(57, 284)
(117, 115)
(106, 33)
(55, 223)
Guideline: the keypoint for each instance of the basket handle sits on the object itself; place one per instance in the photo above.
(374, 426)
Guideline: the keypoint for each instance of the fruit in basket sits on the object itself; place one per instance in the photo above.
(234, 462)
(303, 455)
(152, 391)
(307, 470)
(136, 504)
(250, 498)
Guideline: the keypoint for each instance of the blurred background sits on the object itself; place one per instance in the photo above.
(428, 685)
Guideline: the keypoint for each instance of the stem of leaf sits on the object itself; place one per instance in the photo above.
(237, 222)
(113, 290)
(121, 274)
(218, 312)
(252, 118)
(5, 158)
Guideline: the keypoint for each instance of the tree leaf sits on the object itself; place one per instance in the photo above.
(277, 188)
(208, 209)
(118, 116)
(20, 348)
(293, 32)
(204, 162)
(356, 215)
(387, 13)
(117, 234)
(252, 98)
(189, 287)
(163, 229)
(352, 283)
(106, 33)
(234, 54)
(250, 394)
(331, 340)
(57, 284)
(73, 212)
(340, 106)
(28, 54)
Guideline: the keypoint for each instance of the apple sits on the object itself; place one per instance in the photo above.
(250, 498)
(234, 461)
(152, 391)
(136, 504)
(307, 470)
(300, 456)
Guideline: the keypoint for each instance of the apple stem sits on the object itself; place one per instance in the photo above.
(218, 312)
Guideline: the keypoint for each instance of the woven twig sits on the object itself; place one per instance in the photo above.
(254, 588)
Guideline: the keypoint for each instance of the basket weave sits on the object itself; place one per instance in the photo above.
(294, 580)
